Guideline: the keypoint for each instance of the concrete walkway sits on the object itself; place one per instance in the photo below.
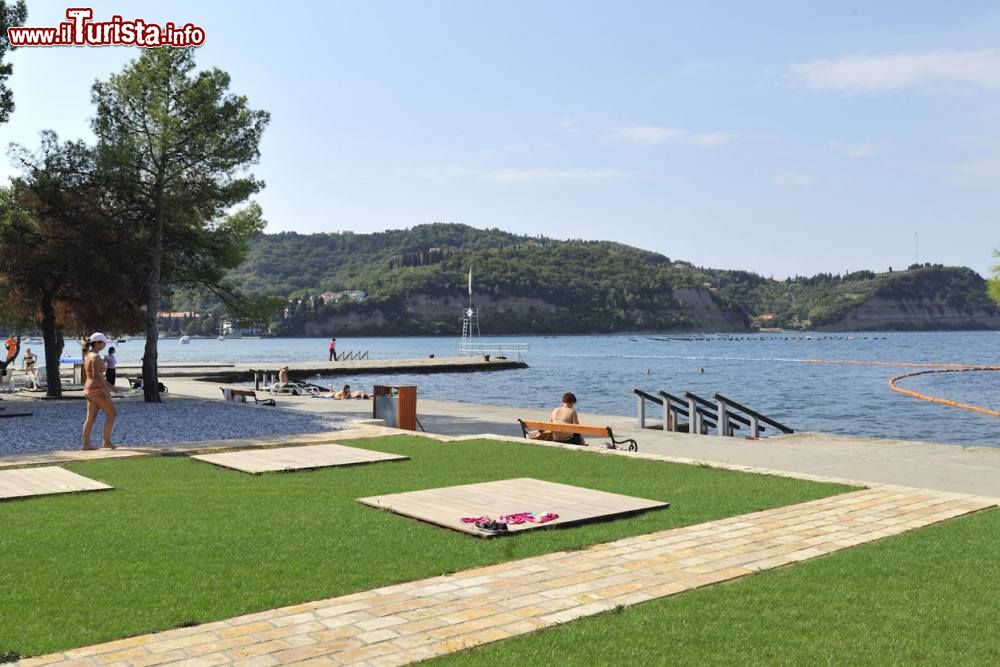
(973, 470)
(400, 624)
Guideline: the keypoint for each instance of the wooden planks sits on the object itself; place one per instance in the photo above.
(447, 506)
(310, 457)
(562, 427)
(49, 480)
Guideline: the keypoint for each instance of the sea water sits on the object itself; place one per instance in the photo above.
(771, 373)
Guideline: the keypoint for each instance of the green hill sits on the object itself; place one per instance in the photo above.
(415, 281)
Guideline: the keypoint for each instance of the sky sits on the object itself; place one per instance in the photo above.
(786, 138)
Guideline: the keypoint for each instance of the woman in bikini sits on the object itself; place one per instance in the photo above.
(97, 391)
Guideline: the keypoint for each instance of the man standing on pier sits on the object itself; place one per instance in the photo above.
(333, 349)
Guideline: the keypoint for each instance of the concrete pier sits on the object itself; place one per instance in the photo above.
(218, 372)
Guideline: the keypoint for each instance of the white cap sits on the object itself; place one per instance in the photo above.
(99, 338)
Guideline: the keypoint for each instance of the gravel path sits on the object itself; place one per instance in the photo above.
(56, 425)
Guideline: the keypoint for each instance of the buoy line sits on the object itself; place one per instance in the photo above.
(945, 401)
(888, 363)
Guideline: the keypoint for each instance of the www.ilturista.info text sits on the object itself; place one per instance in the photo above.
(81, 30)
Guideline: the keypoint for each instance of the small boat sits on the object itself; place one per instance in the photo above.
(184, 340)
(123, 339)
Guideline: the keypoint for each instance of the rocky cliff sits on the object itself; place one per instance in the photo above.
(695, 309)
(878, 313)
(704, 312)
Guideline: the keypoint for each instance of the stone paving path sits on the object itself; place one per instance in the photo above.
(414, 621)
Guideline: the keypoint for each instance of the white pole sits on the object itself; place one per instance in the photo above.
(723, 419)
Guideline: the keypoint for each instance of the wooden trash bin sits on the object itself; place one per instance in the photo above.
(396, 405)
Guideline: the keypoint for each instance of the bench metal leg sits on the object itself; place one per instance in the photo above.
(633, 446)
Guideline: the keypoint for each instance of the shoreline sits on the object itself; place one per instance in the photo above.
(944, 467)
(642, 332)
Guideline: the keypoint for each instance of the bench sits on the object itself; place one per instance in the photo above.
(135, 382)
(241, 396)
(581, 429)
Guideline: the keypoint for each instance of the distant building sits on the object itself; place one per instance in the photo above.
(288, 312)
(231, 328)
(333, 297)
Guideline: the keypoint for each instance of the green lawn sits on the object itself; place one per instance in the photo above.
(179, 541)
(929, 597)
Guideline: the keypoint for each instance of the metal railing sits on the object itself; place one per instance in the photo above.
(754, 416)
(724, 416)
(673, 408)
(501, 351)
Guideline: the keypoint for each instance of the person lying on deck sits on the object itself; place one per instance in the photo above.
(346, 393)
(565, 414)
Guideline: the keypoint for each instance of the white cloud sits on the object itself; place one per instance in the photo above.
(711, 138)
(518, 147)
(933, 70)
(795, 179)
(654, 135)
(532, 176)
(853, 150)
(976, 172)
(647, 135)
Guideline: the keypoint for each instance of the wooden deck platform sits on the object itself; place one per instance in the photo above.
(283, 459)
(49, 480)
(449, 505)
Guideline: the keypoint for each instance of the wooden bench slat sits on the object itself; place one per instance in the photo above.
(560, 427)
(581, 429)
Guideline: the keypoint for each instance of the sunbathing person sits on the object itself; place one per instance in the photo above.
(565, 414)
(346, 393)
(284, 384)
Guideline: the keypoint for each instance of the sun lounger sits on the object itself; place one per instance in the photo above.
(241, 396)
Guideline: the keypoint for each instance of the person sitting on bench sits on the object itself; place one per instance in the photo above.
(566, 414)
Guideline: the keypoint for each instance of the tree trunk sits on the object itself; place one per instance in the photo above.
(150, 372)
(53, 348)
